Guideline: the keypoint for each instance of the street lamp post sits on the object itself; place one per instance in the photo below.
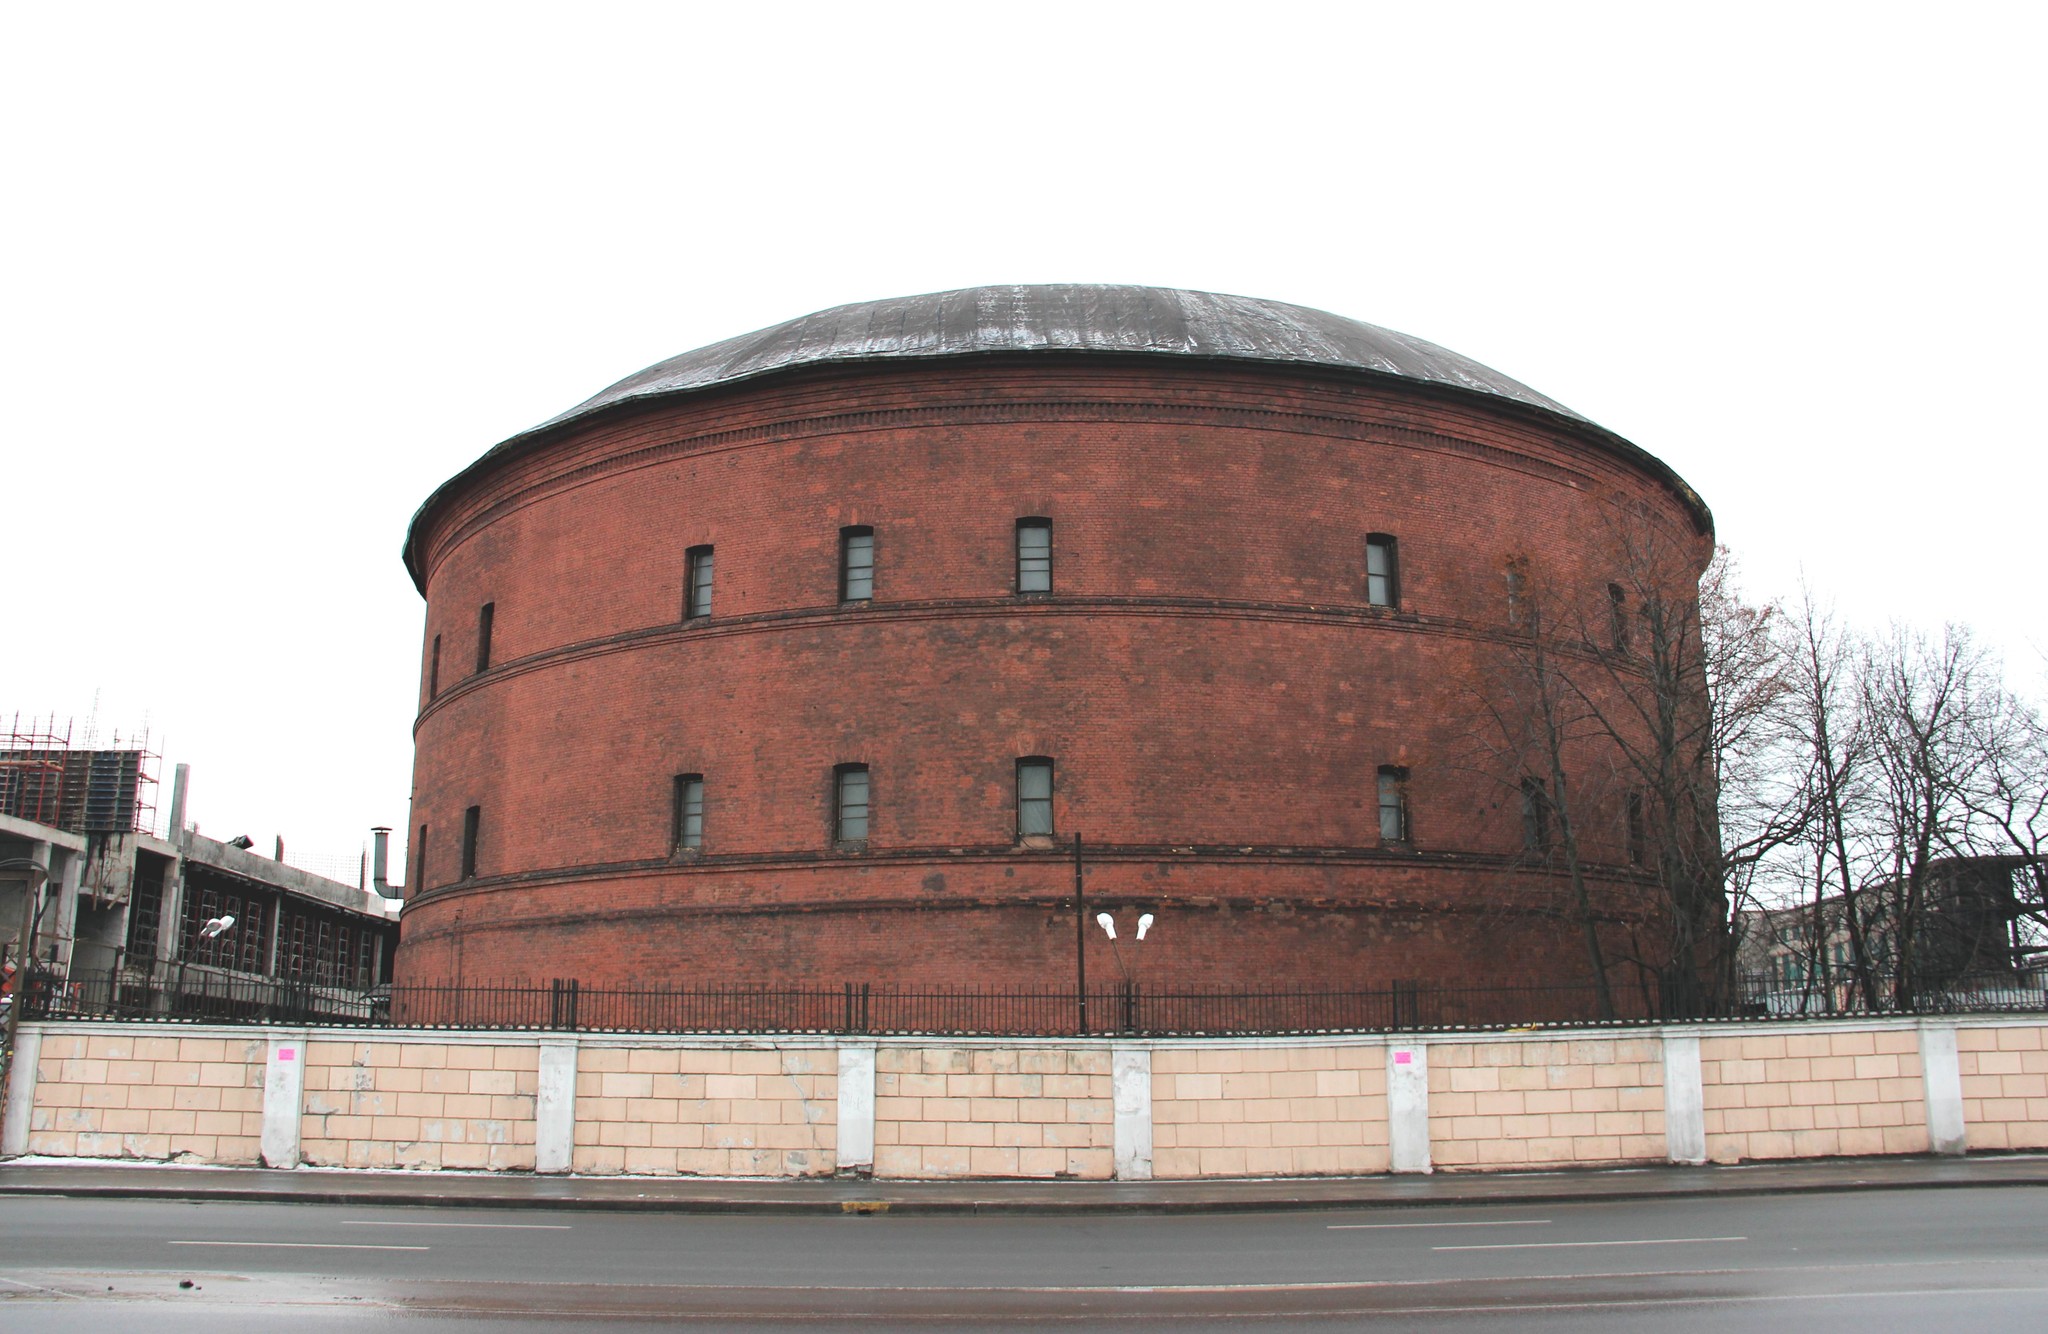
(215, 928)
(31, 893)
(1108, 924)
(1080, 936)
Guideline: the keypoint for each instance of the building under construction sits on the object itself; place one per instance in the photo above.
(121, 912)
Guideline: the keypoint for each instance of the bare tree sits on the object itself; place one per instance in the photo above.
(1678, 705)
(2008, 803)
(1919, 783)
(1688, 688)
(1828, 764)
(1529, 730)
(1924, 704)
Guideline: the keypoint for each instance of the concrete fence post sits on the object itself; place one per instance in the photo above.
(1130, 1082)
(21, 1092)
(1408, 1107)
(1941, 1072)
(856, 1136)
(554, 1108)
(284, 1098)
(1685, 1104)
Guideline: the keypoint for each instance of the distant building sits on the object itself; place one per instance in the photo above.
(1965, 933)
(122, 912)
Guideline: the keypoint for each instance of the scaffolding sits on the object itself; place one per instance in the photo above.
(47, 779)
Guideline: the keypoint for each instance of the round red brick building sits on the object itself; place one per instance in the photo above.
(800, 659)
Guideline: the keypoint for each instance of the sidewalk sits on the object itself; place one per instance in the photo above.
(731, 1195)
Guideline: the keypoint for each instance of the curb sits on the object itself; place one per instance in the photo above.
(1406, 1194)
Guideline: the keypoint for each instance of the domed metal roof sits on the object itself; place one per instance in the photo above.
(1065, 317)
(1082, 318)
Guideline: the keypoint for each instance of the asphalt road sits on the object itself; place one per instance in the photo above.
(1967, 1259)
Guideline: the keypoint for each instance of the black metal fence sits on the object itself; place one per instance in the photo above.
(221, 996)
(201, 992)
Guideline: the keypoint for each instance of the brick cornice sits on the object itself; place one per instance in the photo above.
(839, 617)
(509, 490)
(1051, 860)
(544, 920)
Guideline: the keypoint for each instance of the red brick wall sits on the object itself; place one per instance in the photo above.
(1215, 693)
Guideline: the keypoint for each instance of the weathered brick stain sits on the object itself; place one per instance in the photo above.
(1206, 676)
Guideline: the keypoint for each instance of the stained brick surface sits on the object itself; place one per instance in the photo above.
(715, 1112)
(954, 1112)
(2005, 1086)
(1814, 1094)
(1268, 1111)
(419, 1104)
(1586, 1100)
(179, 1099)
(1213, 689)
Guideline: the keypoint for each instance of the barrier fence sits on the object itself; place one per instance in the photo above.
(218, 995)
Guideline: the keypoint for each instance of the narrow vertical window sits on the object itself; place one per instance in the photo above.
(850, 805)
(1393, 804)
(419, 870)
(856, 564)
(686, 820)
(1535, 816)
(1517, 575)
(472, 821)
(484, 616)
(1634, 829)
(1617, 617)
(697, 564)
(434, 671)
(1382, 571)
(1034, 555)
(1034, 798)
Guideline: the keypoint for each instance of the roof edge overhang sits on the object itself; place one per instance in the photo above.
(525, 442)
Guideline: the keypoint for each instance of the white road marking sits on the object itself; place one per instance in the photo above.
(1491, 1222)
(1560, 1245)
(302, 1245)
(400, 1222)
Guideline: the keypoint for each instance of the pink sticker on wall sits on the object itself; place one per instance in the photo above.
(287, 1054)
(1404, 1058)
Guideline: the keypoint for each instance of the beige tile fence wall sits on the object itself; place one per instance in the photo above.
(419, 1104)
(1025, 1108)
(1038, 1111)
(1813, 1093)
(706, 1111)
(2005, 1086)
(135, 1095)
(1546, 1103)
(1268, 1111)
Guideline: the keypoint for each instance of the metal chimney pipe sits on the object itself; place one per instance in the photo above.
(378, 858)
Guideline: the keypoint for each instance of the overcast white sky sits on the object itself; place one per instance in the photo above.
(275, 271)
